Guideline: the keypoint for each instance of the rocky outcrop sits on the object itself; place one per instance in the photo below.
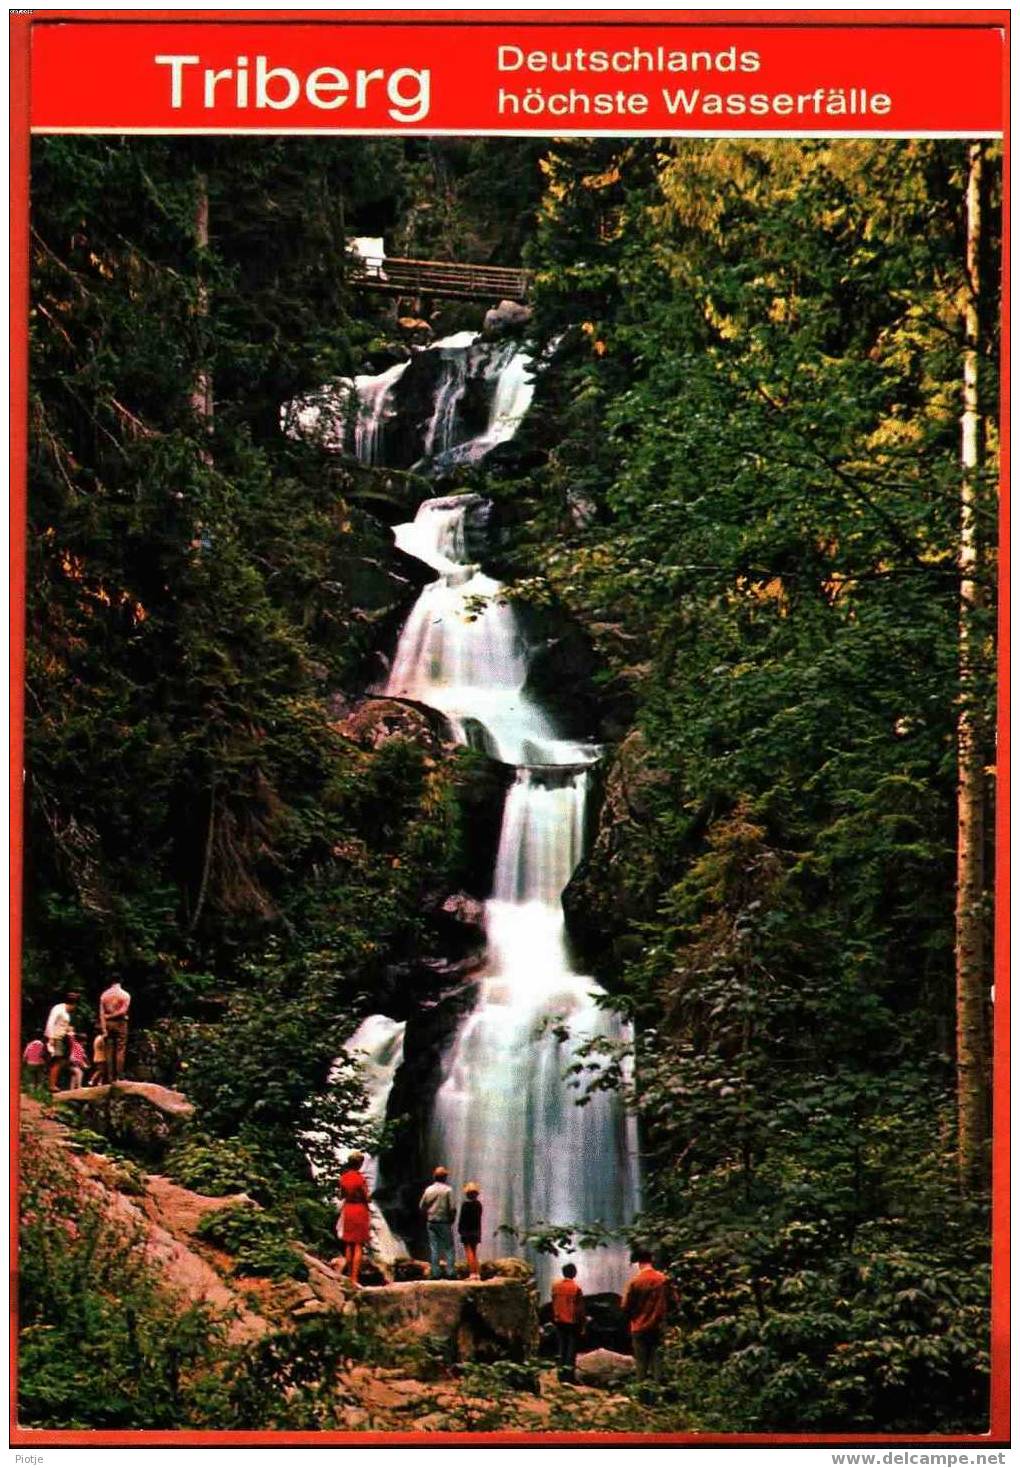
(616, 882)
(375, 721)
(480, 784)
(139, 1115)
(391, 495)
(561, 671)
(509, 318)
(465, 1320)
(169, 1103)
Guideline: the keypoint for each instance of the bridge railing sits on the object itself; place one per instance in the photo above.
(401, 276)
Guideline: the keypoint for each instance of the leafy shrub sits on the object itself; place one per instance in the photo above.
(256, 1239)
(217, 1167)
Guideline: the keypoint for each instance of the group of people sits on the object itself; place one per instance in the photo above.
(644, 1301)
(62, 1048)
(644, 1304)
(439, 1212)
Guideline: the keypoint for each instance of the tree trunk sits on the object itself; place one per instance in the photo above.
(201, 395)
(972, 1058)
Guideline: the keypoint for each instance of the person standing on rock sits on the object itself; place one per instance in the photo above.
(356, 1222)
(114, 1004)
(568, 1316)
(439, 1209)
(469, 1226)
(644, 1305)
(58, 1035)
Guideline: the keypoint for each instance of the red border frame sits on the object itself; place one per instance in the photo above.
(20, 75)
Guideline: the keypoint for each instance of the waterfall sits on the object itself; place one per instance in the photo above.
(375, 395)
(508, 369)
(440, 436)
(503, 1113)
(378, 1043)
(462, 651)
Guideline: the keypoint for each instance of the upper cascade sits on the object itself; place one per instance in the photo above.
(463, 651)
(450, 403)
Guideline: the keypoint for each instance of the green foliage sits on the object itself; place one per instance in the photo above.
(216, 1167)
(289, 1379)
(750, 492)
(256, 1239)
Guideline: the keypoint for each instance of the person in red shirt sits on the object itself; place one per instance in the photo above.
(568, 1317)
(355, 1220)
(644, 1305)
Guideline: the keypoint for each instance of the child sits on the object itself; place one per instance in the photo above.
(97, 1075)
(76, 1062)
(469, 1226)
(34, 1061)
(568, 1317)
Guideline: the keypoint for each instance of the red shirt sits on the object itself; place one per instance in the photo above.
(567, 1302)
(644, 1300)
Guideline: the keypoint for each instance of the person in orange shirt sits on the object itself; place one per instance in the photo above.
(568, 1317)
(644, 1305)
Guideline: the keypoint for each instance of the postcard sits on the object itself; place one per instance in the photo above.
(510, 900)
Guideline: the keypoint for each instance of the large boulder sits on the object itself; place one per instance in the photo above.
(465, 1320)
(509, 318)
(605, 1369)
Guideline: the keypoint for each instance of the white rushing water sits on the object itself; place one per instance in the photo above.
(378, 1043)
(375, 398)
(462, 650)
(504, 1115)
(509, 369)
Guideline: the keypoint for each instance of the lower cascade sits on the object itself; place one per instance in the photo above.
(504, 1114)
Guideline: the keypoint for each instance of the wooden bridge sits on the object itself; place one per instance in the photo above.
(399, 277)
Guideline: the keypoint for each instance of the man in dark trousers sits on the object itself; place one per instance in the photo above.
(568, 1318)
(114, 1004)
(644, 1305)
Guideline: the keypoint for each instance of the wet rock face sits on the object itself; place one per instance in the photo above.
(560, 672)
(406, 1168)
(617, 879)
(481, 784)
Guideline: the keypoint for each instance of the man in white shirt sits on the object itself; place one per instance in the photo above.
(439, 1209)
(114, 1004)
(58, 1034)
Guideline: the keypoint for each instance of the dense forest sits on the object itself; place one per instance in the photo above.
(739, 509)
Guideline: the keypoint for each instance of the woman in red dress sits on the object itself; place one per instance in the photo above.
(357, 1223)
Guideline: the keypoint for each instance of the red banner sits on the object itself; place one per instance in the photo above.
(516, 75)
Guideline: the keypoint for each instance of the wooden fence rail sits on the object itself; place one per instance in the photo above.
(402, 277)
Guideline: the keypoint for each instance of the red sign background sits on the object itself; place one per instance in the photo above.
(89, 75)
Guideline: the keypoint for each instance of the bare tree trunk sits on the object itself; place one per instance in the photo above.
(201, 395)
(972, 1058)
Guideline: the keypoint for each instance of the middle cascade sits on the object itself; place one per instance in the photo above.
(504, 1114)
